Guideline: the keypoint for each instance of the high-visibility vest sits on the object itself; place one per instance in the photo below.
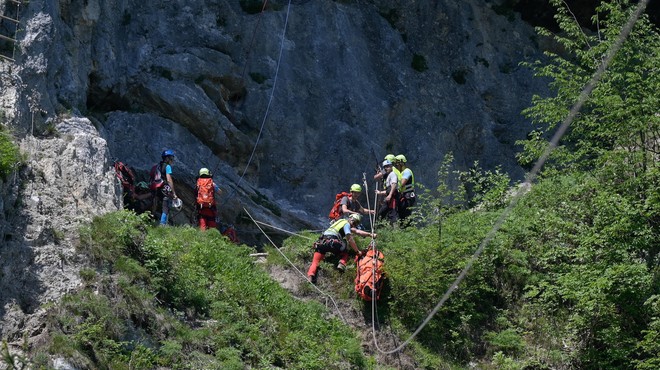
(337, 228)
(398, 176)
(410, 185)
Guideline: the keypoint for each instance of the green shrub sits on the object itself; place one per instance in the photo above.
(419, 63)
(9, 154)
(108, 237)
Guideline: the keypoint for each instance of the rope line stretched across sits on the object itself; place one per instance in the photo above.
(296, 268)
(582, 98)
(284, 231)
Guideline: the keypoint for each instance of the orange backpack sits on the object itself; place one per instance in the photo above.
(370, 274)
(205, 192)
(335, 212)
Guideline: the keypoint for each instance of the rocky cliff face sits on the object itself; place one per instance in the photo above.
(97, 80)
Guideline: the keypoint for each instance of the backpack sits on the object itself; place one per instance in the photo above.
(336, 212)
(369, 279)
(156, 176)
(205, 192)
(125, 176)
(229, 231)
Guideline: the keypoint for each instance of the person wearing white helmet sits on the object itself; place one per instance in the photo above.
(389, 205)
(335, 240)
(381, 174)
(207, 210)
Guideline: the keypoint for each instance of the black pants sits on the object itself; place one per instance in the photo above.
(390, 210)
(405, 206)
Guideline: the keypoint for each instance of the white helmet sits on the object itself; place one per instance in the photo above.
(177, 204)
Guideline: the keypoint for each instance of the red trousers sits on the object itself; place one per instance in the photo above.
(207, 218)
(322, 247)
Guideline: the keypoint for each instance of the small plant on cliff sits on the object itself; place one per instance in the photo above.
(9, 154)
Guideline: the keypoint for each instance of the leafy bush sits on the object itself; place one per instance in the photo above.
(9, 153)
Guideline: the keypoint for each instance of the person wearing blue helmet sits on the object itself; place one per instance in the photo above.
(163, 183)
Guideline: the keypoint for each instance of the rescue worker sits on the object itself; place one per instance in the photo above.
(207, 210)
(381, 174)
(389, 204)
(166, 192)
(141, 199)
(407, 188)
(335, 240)
(351, 205)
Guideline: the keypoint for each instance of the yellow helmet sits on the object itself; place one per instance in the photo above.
(356, 188)
(390, 157)
(401, 158)
(355, 217)
(204, 171)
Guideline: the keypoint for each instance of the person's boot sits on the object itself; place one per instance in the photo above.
(341, 267)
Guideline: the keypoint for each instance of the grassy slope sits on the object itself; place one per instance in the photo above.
(569, 281)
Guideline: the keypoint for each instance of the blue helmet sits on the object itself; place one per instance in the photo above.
(167, 153)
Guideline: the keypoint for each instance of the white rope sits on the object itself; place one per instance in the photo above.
(295, 268)
(582, 98)
(272, 93)
(284, 231)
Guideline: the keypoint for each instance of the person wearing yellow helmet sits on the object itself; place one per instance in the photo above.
(206, 188)
(350, 204)
(336, 240)
(407, 188)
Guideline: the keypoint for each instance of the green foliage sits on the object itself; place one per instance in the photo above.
(590, 230)
(506, 341)
(621, 113)
(649, 346)
(181, 298)
(11, 360)
(460, 76)
(9, 154)
(107, 238)
(459, 190)
(258, 77)
(392, 16)
(419, 63)
(422, 271)
(485, 188)
(582, 244)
